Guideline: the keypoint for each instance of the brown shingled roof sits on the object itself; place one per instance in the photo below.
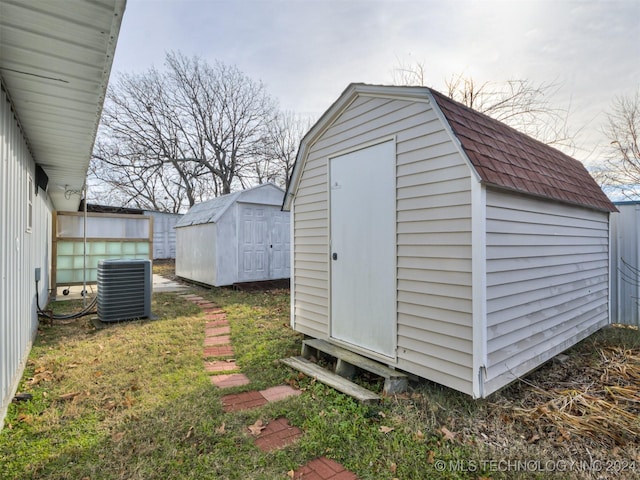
(506, 158)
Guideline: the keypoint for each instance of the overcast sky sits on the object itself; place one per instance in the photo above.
(308, 51)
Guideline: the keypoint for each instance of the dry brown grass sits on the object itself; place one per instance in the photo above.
(582, 408)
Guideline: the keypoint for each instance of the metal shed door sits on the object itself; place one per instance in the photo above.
(253, 243)
(363, 248)
(264, 244)
(279, 246)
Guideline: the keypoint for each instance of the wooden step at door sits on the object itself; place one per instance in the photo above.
(348, 361)
(329, 378)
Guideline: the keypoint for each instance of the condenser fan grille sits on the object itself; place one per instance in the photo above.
(124, 290)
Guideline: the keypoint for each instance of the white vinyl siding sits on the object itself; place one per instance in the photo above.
(22, 250)
(547, 281)
(433, 236)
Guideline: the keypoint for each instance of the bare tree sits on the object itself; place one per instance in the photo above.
(520, 104)
(620, 172)
(171, 138)
(409, 74)
(279, 152)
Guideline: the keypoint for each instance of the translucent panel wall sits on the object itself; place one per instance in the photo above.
(109, 237)
(109, 226)
(70, 258)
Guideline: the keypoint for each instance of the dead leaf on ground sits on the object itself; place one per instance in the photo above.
(44, 376)
(419, 435)
(117, 437)
(190, 432)
(28, 419)
(393, 467)
(385, 429)
(448, 434)
(220, 429)
(291, 473)
(256, 428)
(382, 414)
(431, 457)
(68, 396)
(128, 401)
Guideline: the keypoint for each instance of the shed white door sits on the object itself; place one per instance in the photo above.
(263, 243)
(363, 248)
(279, 246)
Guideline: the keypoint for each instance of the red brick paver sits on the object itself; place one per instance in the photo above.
(212, 317)
(222, 351)
(206, 306)
(232, 380)
(219, 366)
(217, 324)
(279, 393)
(277, 434)
(221, 340)
(214, 332)
(323, 468)
(242, 401)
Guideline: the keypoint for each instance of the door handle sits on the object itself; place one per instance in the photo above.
(334, 256)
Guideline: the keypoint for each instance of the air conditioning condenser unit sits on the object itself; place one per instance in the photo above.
(124, 290)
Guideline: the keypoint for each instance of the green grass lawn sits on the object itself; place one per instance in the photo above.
(133, 401)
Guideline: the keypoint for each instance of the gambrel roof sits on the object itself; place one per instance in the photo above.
(500, 155)
(212, 210)
(507, 158)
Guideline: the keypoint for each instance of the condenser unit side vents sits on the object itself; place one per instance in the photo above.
(124, 290)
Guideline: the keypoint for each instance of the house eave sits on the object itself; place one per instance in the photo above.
(55, 66)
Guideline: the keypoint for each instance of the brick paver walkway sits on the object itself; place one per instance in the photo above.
(323, 468)
(247, 400)
(277, 434)
(218, 353)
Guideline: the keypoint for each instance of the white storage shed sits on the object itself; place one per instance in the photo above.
(236, 238)
(441, 242)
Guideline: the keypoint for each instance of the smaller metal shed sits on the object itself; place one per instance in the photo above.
(625, 264)
(236, 238)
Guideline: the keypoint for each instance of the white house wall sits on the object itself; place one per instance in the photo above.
(433, 236)
(196, 253)
(547, 281)
(21, 251)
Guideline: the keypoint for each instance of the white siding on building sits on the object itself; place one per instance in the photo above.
(433, 236)
(21, 251)
(547, 281)
(164, 234)
(625, 264)
(197, 264)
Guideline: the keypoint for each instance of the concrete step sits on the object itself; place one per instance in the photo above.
(334, 381)
(348, 361)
